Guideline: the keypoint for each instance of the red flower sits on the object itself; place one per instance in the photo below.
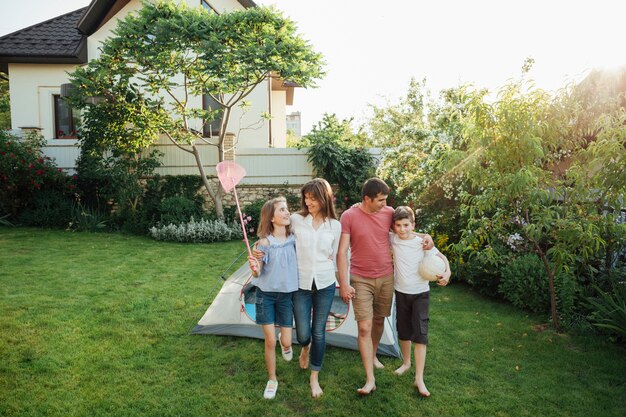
(59, 170)
(71, 187)
(40, 160)
(40, 172)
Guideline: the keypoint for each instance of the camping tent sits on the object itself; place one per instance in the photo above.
(232, 313)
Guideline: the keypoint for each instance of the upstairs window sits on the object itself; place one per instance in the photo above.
(212, 128)
(207, 6)
(66, 120)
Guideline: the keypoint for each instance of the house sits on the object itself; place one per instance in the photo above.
(38, 59)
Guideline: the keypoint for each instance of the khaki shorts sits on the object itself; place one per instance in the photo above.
(373, 297)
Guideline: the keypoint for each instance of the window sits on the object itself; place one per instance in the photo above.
(207, 6)
(66, 121)
(212, 128)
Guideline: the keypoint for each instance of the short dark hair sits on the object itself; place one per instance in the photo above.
(373, 187)
(403, 212)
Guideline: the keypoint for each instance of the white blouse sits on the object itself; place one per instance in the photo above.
(316, 250)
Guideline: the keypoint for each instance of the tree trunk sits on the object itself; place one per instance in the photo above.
(550, 271)
(216, 196)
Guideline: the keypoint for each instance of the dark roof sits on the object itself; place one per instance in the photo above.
(54, 41)
(63, 39)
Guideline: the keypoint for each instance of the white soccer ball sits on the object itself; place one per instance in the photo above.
(430, 267)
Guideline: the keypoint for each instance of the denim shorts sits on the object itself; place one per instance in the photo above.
(274, 308)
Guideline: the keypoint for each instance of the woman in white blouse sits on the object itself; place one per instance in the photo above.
(317, 233)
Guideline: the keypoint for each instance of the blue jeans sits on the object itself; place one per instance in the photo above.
(311, 328)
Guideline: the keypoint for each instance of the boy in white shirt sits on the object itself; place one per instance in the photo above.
(412, 292)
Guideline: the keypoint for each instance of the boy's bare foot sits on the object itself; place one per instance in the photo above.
(316, 390)
(378, 364)
(402, 369)
(304, 357)
(367, 389)
(421, 388)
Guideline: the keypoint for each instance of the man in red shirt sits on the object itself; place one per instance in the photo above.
(369, 282)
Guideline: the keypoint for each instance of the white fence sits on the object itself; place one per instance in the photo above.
(263, 165)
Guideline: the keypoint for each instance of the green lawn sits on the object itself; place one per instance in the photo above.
(98, 325)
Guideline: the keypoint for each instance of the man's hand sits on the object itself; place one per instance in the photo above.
(347, 293)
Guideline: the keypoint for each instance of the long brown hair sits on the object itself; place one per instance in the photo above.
(320, 189)
(266, 227)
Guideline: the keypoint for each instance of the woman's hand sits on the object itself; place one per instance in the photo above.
(258, 254)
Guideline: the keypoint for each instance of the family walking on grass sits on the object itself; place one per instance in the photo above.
(300, 257)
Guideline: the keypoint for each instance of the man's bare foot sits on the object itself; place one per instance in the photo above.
(367, 389)
(304, 357)
(378, 364)
(402, 369)
(421, 388)
(316, 390)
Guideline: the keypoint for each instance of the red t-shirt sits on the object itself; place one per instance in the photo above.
(369, 241)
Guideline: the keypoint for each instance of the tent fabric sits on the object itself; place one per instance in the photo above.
(232, 313)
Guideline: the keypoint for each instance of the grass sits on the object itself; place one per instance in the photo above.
(98, 325)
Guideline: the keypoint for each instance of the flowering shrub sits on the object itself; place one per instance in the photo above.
(25, 171)
(203, 231)
(249, 223)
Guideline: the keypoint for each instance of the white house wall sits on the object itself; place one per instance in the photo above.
(279, 119)
(250, 129)
(32, 86)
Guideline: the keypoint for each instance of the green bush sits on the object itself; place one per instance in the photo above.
(609, 310)
(524, 283)
(48, 208)
(160, 188)
(178, 209)
(335, 158)
(87, 219)
(32, 189)
(485, 278)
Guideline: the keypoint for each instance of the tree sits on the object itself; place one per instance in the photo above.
(161, 60)
(335, 155)
(513, 145)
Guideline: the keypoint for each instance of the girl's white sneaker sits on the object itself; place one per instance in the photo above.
(287, 354)
(270, 390)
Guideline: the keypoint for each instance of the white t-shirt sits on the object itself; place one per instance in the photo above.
(407, 255)
(316, 250)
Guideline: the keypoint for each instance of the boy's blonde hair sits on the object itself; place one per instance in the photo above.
(403, 212)
(266, 227)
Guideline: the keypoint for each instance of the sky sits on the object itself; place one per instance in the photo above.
(372, 48)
